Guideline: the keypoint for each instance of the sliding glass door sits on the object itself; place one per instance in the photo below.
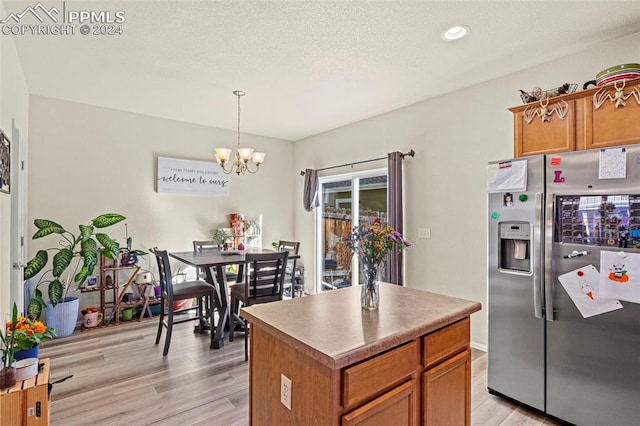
(346, 201)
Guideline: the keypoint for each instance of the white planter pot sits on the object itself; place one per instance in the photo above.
(63, 317)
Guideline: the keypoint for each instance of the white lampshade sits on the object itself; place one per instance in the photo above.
(245, 153)
(223, 154)
(258, 157)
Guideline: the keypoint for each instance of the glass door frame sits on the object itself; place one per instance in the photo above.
(355, 217)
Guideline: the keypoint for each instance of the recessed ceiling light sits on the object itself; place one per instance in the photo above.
(454, 33)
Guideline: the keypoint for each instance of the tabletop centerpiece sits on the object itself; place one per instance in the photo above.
(372, 244)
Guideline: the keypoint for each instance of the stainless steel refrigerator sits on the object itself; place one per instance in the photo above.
(542, 352)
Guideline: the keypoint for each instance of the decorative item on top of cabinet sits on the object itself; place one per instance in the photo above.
(544, 112)
(537, 94)
(602, 95)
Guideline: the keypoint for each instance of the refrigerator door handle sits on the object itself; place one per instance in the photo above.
(538, 255)
(548, 235)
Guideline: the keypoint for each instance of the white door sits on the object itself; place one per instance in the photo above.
(18, 216)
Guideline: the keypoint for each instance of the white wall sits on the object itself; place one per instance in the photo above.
(14, 104)
(454, 137)
(86, 160)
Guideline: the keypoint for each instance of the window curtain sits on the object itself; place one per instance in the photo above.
(394, 214)
(310, 197)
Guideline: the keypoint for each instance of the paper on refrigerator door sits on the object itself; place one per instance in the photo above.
(582, 286)
(613, 163)
(620, 275)
(507, 176)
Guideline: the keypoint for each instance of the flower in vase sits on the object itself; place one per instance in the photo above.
(373, 243)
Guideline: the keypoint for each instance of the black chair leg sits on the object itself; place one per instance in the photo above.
(159, 334)
(167, 339)
(232, 319)
(201, 314)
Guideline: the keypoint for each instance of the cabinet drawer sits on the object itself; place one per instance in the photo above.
(446, 342)
(372, 377)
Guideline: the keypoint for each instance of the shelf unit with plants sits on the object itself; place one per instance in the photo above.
(114, 283)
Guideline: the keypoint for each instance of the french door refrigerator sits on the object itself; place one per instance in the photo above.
(542, 352)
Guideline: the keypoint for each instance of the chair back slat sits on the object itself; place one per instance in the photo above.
(265, 282)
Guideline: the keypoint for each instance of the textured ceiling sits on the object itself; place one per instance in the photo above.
(307, 66)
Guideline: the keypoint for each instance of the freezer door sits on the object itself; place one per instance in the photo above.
(516, 326)
(593, 364)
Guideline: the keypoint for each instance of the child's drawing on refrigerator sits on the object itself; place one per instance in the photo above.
(582, 286)
(620, 275)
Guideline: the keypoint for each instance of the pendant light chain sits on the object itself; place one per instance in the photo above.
(239, 94)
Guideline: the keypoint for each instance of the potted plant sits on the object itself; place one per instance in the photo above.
(27, 336)
(61, 310)
(128, 256)
(220, 236)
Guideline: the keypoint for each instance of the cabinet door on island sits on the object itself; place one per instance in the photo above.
(446, 395)
(396, 407)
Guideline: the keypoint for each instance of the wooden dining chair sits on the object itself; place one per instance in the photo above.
(203, 291)
(264, 283)
(210, 245)
(290, 271)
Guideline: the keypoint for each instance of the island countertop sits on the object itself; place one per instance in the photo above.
(332, 328)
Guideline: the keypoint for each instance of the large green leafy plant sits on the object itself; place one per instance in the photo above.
(84, 245)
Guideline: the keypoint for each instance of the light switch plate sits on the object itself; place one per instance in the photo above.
(424, 233)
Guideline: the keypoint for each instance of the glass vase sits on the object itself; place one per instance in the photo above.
(370, 291)
(7, 377)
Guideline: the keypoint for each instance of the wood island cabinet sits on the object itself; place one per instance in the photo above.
(600, 117)
(406, 364)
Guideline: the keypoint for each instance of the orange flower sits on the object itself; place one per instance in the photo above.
(27, 333)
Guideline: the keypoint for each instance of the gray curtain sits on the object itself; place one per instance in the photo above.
(394, 210)
(310, 197)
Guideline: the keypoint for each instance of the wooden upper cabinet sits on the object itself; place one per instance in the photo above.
(595, 118)
(610, 119)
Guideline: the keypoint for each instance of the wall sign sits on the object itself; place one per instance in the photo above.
(191, 177)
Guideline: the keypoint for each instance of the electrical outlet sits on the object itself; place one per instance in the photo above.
(424, 233)
(285, 391)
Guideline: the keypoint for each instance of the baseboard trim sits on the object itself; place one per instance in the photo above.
(478, 346)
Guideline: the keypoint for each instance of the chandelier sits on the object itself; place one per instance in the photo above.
(243, 155)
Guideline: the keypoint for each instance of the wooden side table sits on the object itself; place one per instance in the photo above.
(27, 402)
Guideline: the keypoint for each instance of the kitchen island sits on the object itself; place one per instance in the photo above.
(406, 363)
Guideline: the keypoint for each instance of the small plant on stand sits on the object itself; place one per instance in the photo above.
(128, 256)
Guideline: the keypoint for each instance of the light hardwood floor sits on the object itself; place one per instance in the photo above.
(120, 377)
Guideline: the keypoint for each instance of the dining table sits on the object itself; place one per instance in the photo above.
(217, 260)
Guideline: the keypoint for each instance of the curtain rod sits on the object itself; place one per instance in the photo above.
(411, 153)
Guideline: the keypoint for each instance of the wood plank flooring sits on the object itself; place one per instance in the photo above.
(120, 377)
